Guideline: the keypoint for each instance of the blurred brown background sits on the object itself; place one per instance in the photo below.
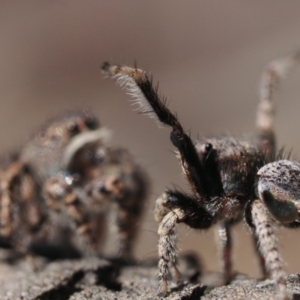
(207, 55)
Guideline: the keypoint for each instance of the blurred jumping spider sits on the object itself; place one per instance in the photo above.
(67, 171)
(230, 179)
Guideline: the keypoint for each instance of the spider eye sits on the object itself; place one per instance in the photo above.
(91, 123)
(208, 147)
(42, 134)
(99, 157)
(73, 128)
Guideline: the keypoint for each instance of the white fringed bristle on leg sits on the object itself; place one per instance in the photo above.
(127, 78)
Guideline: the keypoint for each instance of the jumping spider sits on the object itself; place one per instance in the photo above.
(230, 179)
(67, 171)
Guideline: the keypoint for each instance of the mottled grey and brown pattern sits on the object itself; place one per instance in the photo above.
(67, 177)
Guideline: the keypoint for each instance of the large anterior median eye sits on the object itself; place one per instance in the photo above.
(73, 128)
(91, 123)
(99, 157)
(208, 147)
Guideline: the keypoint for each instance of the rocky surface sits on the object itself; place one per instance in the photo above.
(99, 279)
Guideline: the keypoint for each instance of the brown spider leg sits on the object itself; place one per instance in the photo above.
(127, 213)
(167, 249)
(225, 242)
(268, 247)
(127, 220)
(271, 77)
(139, 85)
(60, 196)
(130, 209)
(32, 218)
(7, 179)
(98, 202)
(171, 208)
(17, 229)
(127, 188)
(28, 203)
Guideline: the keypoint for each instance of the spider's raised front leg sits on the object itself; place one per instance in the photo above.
(139, 85)
(203, 178)
(171, 208)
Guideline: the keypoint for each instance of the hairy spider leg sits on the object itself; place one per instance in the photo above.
(266, 139)
(268, 247)
(271, 77)
(203, 176)
(140, 87)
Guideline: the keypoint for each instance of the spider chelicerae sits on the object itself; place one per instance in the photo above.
(230, 179)
(67, 177)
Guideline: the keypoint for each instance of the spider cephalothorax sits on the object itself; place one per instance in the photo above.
(68, 172)
(229, 178)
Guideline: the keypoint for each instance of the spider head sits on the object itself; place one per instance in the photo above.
(60, 130)
(237, 162)
(61, 141)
